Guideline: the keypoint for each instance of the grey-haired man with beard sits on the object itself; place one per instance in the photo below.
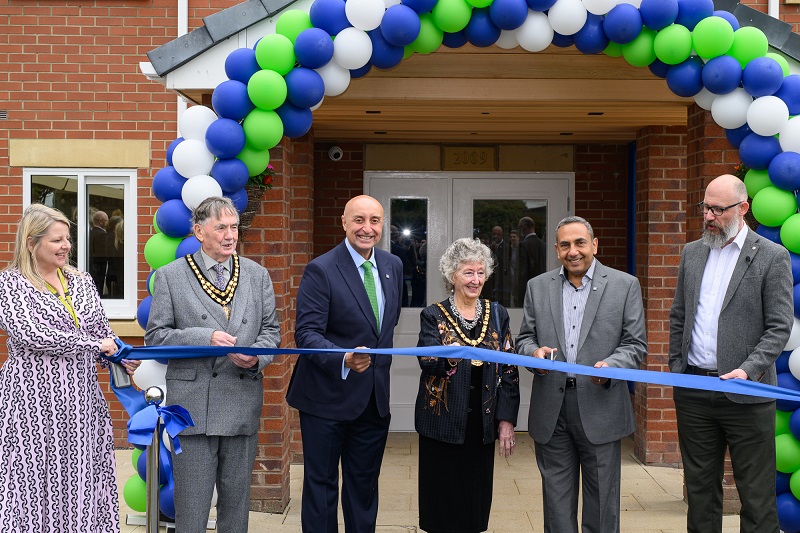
(731, 317)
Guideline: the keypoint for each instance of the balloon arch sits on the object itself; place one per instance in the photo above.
(273, 88)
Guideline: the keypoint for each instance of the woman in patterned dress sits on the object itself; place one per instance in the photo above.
(57, 471)
(463, 406)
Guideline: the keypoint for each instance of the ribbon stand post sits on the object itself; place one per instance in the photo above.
(153, 396)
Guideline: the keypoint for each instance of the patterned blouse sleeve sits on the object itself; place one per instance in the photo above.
(430, 335)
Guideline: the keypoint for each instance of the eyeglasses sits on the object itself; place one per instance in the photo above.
(717, 211)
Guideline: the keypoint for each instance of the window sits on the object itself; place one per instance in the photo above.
(101, 203)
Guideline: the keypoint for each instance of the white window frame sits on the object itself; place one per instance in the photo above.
(124, 308)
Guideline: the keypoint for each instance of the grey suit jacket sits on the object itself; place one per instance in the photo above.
(757, 312)
(613, 330)
(222, 398)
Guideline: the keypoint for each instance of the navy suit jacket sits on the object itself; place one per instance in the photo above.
(333, 311)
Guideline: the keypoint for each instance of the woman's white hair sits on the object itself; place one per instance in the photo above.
(462, 251)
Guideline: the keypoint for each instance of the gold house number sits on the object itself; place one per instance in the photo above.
(469, 158)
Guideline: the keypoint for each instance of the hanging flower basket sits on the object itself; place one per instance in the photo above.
(255, 188)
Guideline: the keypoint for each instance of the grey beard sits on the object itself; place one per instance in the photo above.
(718, 240)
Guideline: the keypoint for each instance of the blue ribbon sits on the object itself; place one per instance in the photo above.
(735, 386)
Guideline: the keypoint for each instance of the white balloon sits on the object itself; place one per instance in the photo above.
(165, 439)
(767, 115)
(191, 157)
(794, 337)
(365, 14)
(637, 4)
(150, 374)
(198, 188)
(336, 79)
(567, 16)
(352, 48)
(316, 106)
(390, 3)
(794, 363)
(507, 39)
(599, 7)
(705, 98)
(535, 34)
(728, 110)
(194, 122)
(790, 135)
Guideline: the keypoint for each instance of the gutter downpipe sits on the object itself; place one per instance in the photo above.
(183, 29)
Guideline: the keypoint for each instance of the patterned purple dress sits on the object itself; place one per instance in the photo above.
(57, 471)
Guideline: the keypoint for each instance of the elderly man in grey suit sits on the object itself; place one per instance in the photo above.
(589, 314)
(214, 297)
(731, 317)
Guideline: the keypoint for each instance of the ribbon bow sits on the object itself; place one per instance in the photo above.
(143, 423)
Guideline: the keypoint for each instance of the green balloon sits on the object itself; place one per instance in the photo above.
(787, 453)
(407, 52)
(781, 61)
(256, 160)
(790, 233)
(748, 43)
(480, 3)
(755, 180)
(155, 225)
(673, 44)
(276, 52)
(291, 23)
(430, 36)
(639, 52)
(712, 37)
(159, 250)
(794, 484)
(150, 285)
(452, 15)
(136, 451)
(613, 49)
(263, 129)
(134, 492)
(772, 206)
(782, 422)
(267, 89)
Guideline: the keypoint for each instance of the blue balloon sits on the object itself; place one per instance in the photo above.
(788, 381)
(782, 483)
(313, 48)
(480, 30)
(790, 93)
(736, 136)
(690, 12)
(231, 174)
(541, 5)
(241, 64)
(562, 41)
(143, 311)
(230, 100)
(174, 219)
(239, 199)
(225, 137)
(455, 40)
(659, 68)
(147, 283)
(164, 466)
(788, 512)
(591, 39)
(171, 149)
(784, 171)
(304, 87)
(795, 267)
(685, 79)
(329, 15)
(757, 151)
(770, 233)
(400, 25)
(167, 184)
(727, 15)
(722, 74)
(796, 292)
(189, 245)
(385, 55)
(782, 362)
(623, 23)
(166, 499)
(361, 72)
(508, 14)
(762, 76)
(296, 120)
(658, 14)
(420, 6)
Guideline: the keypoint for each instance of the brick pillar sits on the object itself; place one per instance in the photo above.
(280, 238)
(660, 235)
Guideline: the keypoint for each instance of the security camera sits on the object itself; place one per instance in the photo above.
(335, 153)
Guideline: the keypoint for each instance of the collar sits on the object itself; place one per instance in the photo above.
(589, 273)
(357, 259)
(208, 262)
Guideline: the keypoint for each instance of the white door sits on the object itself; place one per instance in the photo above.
(425, 212)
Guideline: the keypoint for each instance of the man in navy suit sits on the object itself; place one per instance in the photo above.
(349, 297)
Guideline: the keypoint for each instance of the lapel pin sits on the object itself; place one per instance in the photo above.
(754, 247)
(594, 288)
(387, 276)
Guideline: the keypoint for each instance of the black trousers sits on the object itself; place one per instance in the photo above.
(708, 423)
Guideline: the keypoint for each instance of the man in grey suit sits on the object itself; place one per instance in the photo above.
(731, 317)
(214, 297)
(589, 314)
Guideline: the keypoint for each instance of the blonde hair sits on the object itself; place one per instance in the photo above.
(36, 221)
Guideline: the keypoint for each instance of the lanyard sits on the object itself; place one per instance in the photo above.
(66, 299)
